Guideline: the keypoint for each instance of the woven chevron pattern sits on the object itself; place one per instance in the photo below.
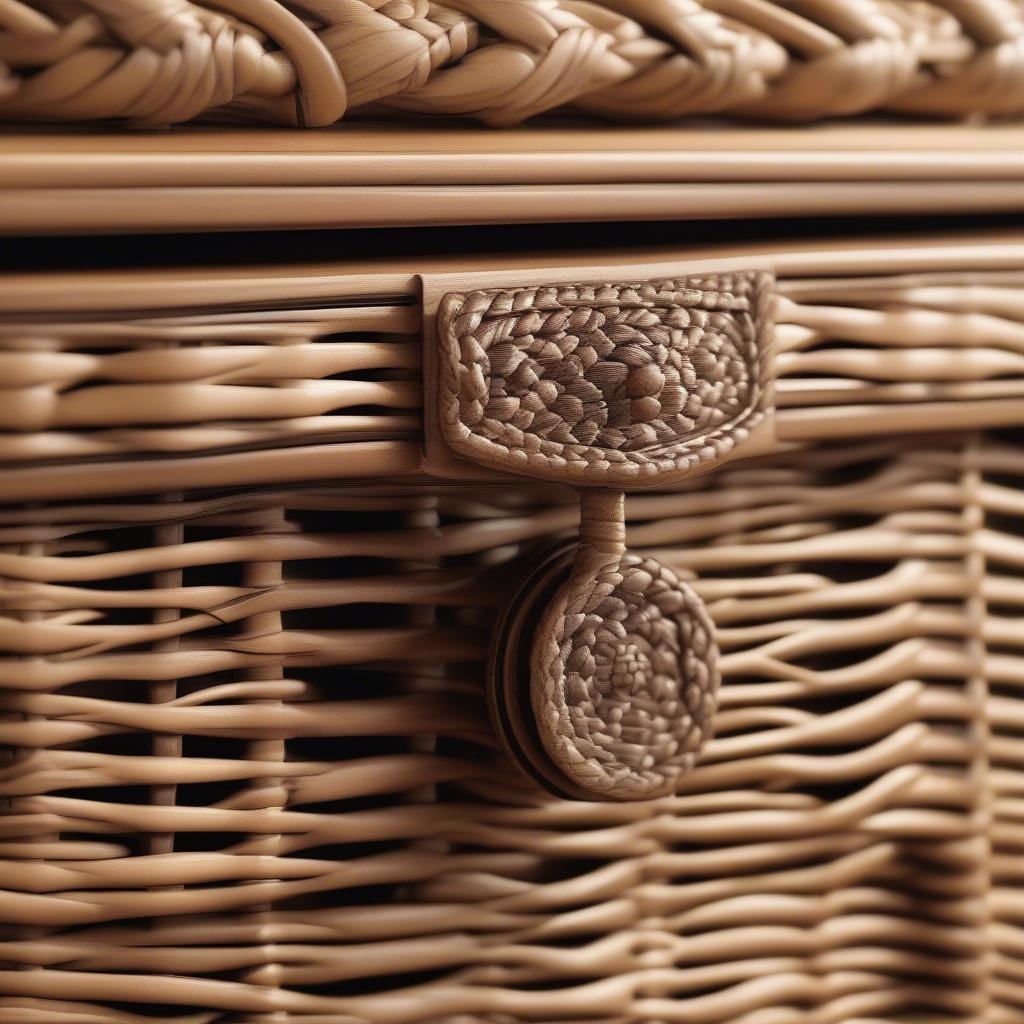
(156, 62)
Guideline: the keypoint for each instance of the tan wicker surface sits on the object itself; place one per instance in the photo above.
(179, 384)
(254, 772)
(311, 62)
(253, 777)
(859, 354)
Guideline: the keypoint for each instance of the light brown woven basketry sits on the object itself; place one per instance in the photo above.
(253, 774)
(309, 62)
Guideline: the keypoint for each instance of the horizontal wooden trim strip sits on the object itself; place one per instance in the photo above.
(403, 154)
(133, 210)
(385, 282)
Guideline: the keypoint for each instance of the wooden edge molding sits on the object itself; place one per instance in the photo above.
(134, 210)
(609, 385)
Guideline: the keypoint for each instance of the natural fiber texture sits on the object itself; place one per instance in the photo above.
(254, 775)
(854, 356)
(200, 383)
(604, 384)
(253, 778)
(624, 673)
(309, 62)
(864, 356)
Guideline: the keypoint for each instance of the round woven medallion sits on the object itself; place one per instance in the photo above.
(604, 688)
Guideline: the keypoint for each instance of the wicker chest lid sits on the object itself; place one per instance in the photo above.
(312, 62)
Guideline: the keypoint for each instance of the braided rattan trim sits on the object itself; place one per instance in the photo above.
(308, 62)
(611, 384)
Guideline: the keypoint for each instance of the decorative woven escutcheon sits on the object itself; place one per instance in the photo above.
(604, 385)
(604, 667)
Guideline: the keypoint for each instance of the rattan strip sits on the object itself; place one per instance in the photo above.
(887, 342)
(310, 62)
(350, 846)
(177, 384)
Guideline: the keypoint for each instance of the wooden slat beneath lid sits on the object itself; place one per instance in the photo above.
(393, 281)
(392, 175)
(446, 154)
(72, 211)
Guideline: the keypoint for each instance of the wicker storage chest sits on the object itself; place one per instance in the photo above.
(254, 776)
(570, 572)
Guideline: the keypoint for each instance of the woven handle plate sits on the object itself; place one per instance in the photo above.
(612, 385)
(605, 678)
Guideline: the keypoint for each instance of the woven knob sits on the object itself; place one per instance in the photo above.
(604, 674)
(604, 671)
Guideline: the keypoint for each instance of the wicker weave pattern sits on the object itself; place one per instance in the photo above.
(308, 62)
(206, 382)
(605, 384)
(911, 352)
(253, 777)
(324, 817)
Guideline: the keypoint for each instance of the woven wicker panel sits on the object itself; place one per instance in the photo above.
(855, 356)
(208, 381)
(254, 779)
(310, 62)
(910, 350)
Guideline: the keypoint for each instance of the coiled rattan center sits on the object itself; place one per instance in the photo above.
(624, 679)
(604, 668)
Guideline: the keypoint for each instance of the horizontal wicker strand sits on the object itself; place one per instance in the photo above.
(336, 835)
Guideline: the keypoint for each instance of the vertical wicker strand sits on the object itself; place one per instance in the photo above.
(426, 517)
(163, 691)
(30, 932)
(267, 793)
(9, 755)
(977, 691)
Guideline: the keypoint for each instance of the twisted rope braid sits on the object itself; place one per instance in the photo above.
(310, 62)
